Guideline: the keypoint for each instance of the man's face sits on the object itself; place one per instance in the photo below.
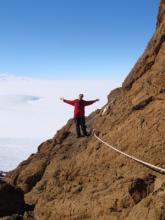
(81, 97)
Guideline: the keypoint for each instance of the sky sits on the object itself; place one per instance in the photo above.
(51, 49)
(75, 39)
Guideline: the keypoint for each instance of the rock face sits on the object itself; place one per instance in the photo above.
(71, 178)
(161, 14)
(11, 200)
(152, 58)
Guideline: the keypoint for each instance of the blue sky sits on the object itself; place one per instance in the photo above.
(74, 39)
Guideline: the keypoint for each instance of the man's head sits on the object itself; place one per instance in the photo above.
(80, 96)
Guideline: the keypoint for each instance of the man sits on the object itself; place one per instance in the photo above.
(79, 113)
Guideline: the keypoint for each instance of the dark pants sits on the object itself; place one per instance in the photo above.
(80, 123)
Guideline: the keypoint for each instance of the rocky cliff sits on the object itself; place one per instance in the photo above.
(71, 178)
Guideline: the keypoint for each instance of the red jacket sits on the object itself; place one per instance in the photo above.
(79, 106)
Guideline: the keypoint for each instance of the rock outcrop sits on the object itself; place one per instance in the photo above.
(151, 60)
(71, 178)
(11, 200)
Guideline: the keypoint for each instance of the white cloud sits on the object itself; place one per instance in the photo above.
(11, 101)
(31, 109)
(15, 150)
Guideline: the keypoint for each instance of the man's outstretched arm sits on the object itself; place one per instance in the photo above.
(90, 102)
(70, 102)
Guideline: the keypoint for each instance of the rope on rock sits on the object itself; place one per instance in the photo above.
(156, 168)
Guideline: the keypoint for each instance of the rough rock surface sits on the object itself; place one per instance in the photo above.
(71, 178)
(11, 199)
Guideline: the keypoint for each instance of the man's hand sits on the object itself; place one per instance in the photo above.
(62, 98)
(97, 100)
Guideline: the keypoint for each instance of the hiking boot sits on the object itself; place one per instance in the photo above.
(86, 134)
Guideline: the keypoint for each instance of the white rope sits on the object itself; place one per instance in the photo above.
(131, 157)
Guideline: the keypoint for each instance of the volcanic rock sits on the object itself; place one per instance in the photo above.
(11, 200)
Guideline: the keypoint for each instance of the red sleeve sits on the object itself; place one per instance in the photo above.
(70, 102)
(89, 102)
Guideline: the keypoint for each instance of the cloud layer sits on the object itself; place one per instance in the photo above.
(32, 108)
(12, 101)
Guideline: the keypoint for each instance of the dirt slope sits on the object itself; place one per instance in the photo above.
(83, 179)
